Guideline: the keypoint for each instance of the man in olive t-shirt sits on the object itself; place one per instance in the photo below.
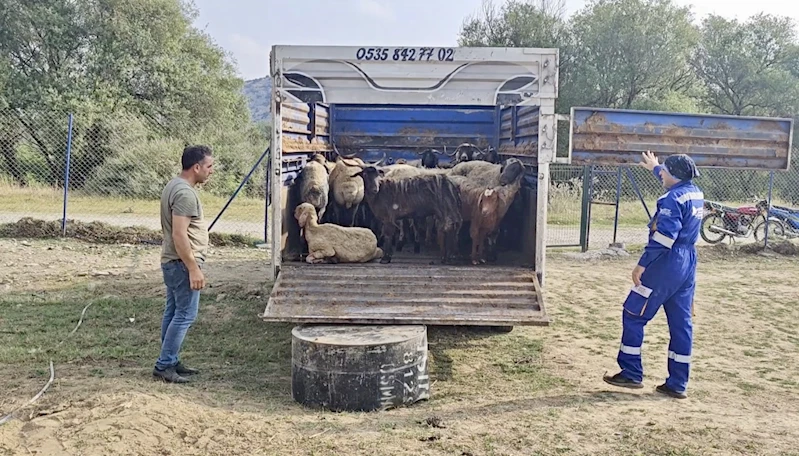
(182, 256)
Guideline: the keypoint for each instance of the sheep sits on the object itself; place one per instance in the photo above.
(399, 171)
(485, 172)
(415, 226)
(314, 185)
(347, 189)
(331, 243)
(416, 196)
(486, 195)
(429, 158)
(467, 152)
(489, 173)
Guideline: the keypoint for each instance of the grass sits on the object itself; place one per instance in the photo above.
(46, 200)
(229, 340)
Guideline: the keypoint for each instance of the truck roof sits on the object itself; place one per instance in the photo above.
(484, 76)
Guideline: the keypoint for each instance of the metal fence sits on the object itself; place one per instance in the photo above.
(615, 203)
(114, 169)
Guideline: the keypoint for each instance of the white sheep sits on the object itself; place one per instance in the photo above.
(314, 186)
(334, 243)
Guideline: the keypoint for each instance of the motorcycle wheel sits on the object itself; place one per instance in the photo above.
(776, 230)
(708, 221)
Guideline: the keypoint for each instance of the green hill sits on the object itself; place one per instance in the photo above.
(259, 97)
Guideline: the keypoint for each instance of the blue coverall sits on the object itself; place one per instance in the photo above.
(668, 281)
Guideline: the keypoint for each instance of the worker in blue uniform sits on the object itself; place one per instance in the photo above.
(665, 276)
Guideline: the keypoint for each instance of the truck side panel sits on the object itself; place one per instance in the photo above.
(618, 137)
(403, 131)
(306, 130)
(518, 132)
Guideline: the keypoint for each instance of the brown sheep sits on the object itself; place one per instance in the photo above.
(486, 195)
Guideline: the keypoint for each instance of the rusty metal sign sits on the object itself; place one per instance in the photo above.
(618, 137)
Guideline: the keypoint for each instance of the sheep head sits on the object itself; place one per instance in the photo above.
(305, 213)
(319, 158)
(488, 202)
(371, 176)
(511, 171)
(429, 158)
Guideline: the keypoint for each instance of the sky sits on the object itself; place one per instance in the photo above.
(249, 28)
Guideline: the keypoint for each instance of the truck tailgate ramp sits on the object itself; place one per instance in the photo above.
(407, 294)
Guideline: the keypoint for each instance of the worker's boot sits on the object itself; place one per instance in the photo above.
(663, 389)
(184, 370)
(169, 375)
(623, 382)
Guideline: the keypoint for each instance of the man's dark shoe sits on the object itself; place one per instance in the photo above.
(169, 375)
(624, 382)
(183, 370)
(663, 389)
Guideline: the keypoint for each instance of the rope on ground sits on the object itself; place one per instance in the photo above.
(52, 372)
(82, 314)
(35, 398)
(5, 419)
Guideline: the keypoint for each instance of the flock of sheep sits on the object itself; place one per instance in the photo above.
(403, 201)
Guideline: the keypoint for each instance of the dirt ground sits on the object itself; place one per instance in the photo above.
(536, 390)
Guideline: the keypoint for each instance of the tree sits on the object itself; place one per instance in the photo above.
(522, 23)
(628, 50)
(517, 23)
(751, 67)
(139, 58)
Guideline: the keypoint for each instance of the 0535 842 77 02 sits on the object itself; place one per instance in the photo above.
(406, 54)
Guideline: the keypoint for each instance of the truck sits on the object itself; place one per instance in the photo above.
(395, 102)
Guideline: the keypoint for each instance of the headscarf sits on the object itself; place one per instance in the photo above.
(681, 166)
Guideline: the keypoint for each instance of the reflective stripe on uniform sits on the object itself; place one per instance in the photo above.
(685, 359)
(627, 350)
(662, 239)
(690, 196)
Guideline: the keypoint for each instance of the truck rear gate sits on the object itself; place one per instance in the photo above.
(406, 292)
(401, 101)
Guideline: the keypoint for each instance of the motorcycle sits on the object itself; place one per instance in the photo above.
(783, 223)
(736, 222)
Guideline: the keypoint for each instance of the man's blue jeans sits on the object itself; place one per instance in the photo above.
(182, 304)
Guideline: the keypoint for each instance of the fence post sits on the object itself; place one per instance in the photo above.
(618, 201)
(66, 177)
(244, 181)
(267, 198)
(585, 210)
(768, 211)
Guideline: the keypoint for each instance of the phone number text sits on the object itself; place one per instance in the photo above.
(422, 54)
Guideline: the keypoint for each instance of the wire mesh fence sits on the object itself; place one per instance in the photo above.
(115, 168)
(573, 200)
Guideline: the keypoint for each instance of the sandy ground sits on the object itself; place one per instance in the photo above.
(744, 392)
